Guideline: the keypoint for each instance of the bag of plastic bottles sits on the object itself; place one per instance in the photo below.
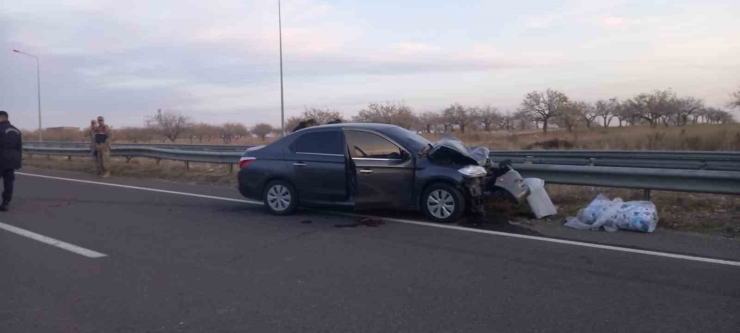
(613, 215)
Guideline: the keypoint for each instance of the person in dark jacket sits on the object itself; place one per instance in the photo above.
(11, 153)
(305, 124)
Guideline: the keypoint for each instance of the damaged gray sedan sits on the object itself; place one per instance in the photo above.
(374, 166)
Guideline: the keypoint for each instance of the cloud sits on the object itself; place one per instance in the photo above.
(612, 21)
(411, 48)
(220, 62)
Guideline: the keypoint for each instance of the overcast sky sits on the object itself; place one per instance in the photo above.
(218, 60)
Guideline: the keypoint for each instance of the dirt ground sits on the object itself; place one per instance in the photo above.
(693, 212)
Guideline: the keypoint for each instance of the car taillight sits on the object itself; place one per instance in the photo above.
(246, 161)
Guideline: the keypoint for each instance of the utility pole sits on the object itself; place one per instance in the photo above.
(38, 85)
(282, 100)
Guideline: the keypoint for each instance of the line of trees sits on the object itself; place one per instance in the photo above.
(538, 110)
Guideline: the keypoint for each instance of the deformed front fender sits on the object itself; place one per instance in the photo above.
(510, 184)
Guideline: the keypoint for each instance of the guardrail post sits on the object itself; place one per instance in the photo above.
(646, 194)
(591, 161)
(128, 159)
(187, 165)
(231, 167)
(69, 158)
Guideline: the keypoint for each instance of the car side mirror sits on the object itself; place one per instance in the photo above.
(405, 156)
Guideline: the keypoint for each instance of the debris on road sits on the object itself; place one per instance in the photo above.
(538, 199)
(613, 215)
(368, 222)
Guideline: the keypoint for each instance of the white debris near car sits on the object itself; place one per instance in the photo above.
(538, 199)
(613, 215)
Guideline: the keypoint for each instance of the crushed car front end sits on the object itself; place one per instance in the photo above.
(477, 177)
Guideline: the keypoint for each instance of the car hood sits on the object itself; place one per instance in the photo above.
(451, 150)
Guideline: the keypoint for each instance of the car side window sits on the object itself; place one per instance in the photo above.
(327, 142)
(368, 145)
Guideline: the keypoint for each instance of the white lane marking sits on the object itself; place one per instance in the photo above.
(433, 225)
(51, 241)
(252, 202)
(553, 240)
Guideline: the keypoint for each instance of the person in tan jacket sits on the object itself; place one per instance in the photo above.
(103, 139)
(90, 133)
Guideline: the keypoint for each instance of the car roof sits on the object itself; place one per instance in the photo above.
(368, 126)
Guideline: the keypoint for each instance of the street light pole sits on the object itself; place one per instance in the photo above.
(282, 101)
(38, 85)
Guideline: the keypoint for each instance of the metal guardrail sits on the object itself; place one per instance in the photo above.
(129, 152)
(681, 160)
(707, 172)
(703, 181)
(69, 144)
(684, 171)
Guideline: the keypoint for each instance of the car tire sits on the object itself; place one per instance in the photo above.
(442, 203)
(280, 198)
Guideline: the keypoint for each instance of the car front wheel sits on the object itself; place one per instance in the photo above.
(280, 198)
(442, 203)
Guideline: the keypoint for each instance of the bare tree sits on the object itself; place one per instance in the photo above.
(489, 116)
(654, 107)
(137, 134)
(571, 115)
(261, 130)
(171, 124)
(701, 113)
(735, 102)
(322, 116)
(292, 123)
(607, 110)
(523, 120)
(507, 121)
(202, 131)
(588, 113)
(543, 106)
(231, 131)
(719, 116)
(685, 107)
(397, 114)
(459, 115)
(427, 121)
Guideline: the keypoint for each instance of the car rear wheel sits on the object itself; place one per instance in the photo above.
(442, 203)
(280, 198)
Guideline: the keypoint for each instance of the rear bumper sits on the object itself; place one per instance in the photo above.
(248, 187)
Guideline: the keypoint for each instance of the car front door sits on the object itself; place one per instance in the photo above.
(318, 162)
(384, 172)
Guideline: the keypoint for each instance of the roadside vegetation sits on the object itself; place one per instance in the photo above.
(659, 120)
(550, 112)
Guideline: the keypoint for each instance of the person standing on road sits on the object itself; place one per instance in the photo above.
(11, 153)
(103, 138)
(91, 136)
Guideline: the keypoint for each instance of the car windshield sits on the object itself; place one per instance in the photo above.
(415, 142)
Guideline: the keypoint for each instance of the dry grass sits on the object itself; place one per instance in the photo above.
(199, 173)
(693, 137)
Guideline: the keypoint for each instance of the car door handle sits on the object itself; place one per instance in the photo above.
(299, 164)
(366, 171)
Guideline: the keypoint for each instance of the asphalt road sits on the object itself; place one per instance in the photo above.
(191, 264)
